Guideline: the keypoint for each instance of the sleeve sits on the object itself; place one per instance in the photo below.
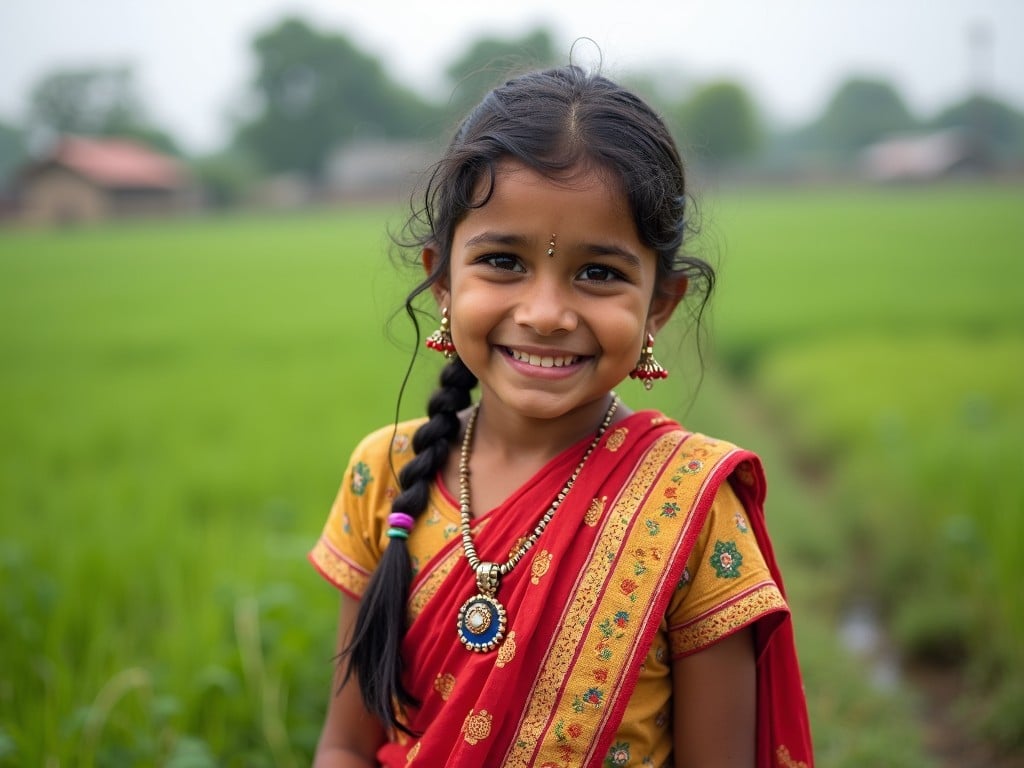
(353, 538)
(726, 584)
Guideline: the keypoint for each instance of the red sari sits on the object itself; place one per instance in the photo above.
(581, 613)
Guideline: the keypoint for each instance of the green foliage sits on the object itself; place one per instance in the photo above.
(317, 91)
(489, 61)
(97, 101)
(719, 124)
(226, 178)
(996, 126)
(13, 152)
(860, 112)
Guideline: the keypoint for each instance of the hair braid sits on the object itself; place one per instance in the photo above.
(375, 651)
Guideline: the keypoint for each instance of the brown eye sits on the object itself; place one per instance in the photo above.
(598, 273)
(503, 261)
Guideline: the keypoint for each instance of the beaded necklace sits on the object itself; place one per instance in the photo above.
(482, 619)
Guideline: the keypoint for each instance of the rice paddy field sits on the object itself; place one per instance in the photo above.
(178, 400)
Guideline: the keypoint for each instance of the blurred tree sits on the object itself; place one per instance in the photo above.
(860, 112)
(316, 91)
(719, 124)
(991, 124)
(489, 61)
(13, 151)
(227, 177)
(98, 101)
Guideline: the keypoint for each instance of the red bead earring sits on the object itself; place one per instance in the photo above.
(647, 368)
(441, 339)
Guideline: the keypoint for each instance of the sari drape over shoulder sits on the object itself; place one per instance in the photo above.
(584, 606)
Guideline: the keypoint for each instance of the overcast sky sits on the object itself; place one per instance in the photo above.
(193, 62)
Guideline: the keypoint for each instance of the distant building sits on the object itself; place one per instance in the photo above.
(923, 157)
(90, 179)
(376, 170)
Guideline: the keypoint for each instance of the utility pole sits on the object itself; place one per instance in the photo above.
(980, 45)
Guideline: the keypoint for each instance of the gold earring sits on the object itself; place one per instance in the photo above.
(441, 339)
(647, 368)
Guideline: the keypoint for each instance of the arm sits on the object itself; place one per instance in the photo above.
(714, 698)
(350, 736)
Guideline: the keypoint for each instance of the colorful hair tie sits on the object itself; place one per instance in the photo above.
(401, 520)
(398, 533)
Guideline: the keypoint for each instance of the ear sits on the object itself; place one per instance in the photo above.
(663, 304)
(431, 259)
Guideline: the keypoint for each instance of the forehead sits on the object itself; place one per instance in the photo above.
(524, 197)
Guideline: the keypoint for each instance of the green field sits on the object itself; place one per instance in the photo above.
(178, 400)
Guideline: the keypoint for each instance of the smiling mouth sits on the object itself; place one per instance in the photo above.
(543, 361)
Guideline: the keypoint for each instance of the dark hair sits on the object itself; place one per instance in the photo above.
(552, 121)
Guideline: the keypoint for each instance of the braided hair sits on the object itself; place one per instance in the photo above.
(375, 651)
(552, 121)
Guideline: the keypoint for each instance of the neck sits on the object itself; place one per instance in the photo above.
(516, 438)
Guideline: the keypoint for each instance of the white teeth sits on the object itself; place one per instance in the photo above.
(543, 362)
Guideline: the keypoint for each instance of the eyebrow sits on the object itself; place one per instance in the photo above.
(520, 241)
(598, 249)
(499, 238)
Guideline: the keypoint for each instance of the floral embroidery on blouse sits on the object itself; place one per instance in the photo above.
(726, 560)
(361, 478)
(741, 524)
(618, 755)
(685, 579)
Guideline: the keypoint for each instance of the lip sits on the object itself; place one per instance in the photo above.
(548, 363)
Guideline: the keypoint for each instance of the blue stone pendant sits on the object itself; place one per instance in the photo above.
(482, 623)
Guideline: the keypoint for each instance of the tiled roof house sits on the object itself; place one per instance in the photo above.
(90, 179)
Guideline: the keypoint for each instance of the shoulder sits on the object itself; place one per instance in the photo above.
(656, 424)
(380, 454)
(387, 441)
(712, 463)
(708, 443)
(722, 454)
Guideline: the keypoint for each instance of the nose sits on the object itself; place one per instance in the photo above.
(547, 307)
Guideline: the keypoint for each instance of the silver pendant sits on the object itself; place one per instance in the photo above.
(482, 623)
(482, 619)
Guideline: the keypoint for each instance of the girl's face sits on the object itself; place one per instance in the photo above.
(547, 335)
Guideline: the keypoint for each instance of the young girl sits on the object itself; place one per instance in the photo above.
(554, 579)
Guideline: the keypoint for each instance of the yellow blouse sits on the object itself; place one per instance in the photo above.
(726, 584)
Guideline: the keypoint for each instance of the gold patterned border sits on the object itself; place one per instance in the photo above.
(338, 570)
(429, 582)
(547, 700)
(708, 628)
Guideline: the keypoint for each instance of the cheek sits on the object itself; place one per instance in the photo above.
(622, 329)
(473, 314)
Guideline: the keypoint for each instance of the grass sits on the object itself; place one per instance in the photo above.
(810, 264)
(178, 403)
(886, 331)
